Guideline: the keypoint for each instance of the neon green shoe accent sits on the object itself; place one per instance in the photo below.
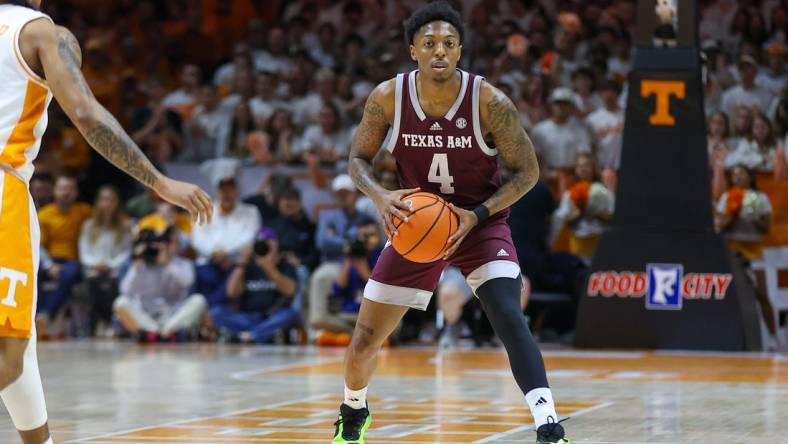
(338, 439)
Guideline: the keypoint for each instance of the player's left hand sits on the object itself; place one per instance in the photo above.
(468, 220)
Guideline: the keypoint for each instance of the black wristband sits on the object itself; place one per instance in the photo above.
(482, 213)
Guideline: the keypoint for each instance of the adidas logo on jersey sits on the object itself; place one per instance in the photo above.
(436, 127)
(502, 252)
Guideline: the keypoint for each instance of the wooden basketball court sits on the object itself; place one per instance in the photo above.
(111, 392)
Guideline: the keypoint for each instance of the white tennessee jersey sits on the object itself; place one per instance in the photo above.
(24, 96)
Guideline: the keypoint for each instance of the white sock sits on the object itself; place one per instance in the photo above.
(49, 441)
(356, 399)
(540, 400)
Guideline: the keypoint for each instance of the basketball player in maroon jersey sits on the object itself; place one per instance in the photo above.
(449, 129)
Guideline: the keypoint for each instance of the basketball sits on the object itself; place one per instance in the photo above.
(424, 237)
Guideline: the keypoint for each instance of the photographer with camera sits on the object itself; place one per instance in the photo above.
(260, 290)
(360, 256)
(155, 303)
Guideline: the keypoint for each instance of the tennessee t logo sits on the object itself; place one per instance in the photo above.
(14, 277)
(663, 89)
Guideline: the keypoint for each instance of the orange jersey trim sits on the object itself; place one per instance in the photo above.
(23, 137)
(21, 60)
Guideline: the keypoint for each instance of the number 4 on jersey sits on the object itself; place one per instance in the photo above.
(439, 173)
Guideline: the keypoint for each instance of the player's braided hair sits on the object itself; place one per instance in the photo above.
(432, 12)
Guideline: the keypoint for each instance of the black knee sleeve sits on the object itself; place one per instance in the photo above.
(500, 299)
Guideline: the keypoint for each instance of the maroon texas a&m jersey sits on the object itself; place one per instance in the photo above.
(446, 156)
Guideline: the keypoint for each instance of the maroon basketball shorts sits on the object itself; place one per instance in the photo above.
(486, 253)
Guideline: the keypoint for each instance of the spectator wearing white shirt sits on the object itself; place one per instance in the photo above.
(327, 140)
(219, 243)
(607, 126)
(307, 109)
(349, 102)
(559, 139)
(242, 90)
(758, 152)
(276, 59)
(583, 85)
(184, 99)
(746, 93)
(155, 302)
(242, 60)
(208, 129)
(323, 53)
(775, 78)
(104, 246)
(265, 101)
(619, 65)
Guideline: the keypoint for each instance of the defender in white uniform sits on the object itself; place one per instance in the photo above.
(39, 60)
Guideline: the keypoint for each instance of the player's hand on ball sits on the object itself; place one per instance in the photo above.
(390, 204)
(468, 220)
(187, 196)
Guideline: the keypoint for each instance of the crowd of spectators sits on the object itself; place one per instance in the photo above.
(237, 83)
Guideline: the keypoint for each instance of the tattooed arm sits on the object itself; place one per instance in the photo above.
(54, 53)
(370, 134)
(499, 116)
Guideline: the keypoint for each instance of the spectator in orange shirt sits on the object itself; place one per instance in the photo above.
(61, 223)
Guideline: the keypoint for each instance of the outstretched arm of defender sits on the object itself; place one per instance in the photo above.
(60, 59)
(516, 151)
(366, 143)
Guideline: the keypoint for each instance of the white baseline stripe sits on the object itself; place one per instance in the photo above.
(243, 375)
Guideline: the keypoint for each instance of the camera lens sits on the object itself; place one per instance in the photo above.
(261, 247)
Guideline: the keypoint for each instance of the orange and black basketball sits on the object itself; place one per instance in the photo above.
(425, 236)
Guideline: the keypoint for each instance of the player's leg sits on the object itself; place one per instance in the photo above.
(395, 285)
(500, 298)
(376, 321)
(489, 260)
(21, 390)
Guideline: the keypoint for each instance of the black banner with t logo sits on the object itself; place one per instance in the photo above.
(661, 277)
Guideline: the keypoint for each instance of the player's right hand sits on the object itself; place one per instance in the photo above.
(390, 204)
(187, 196)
